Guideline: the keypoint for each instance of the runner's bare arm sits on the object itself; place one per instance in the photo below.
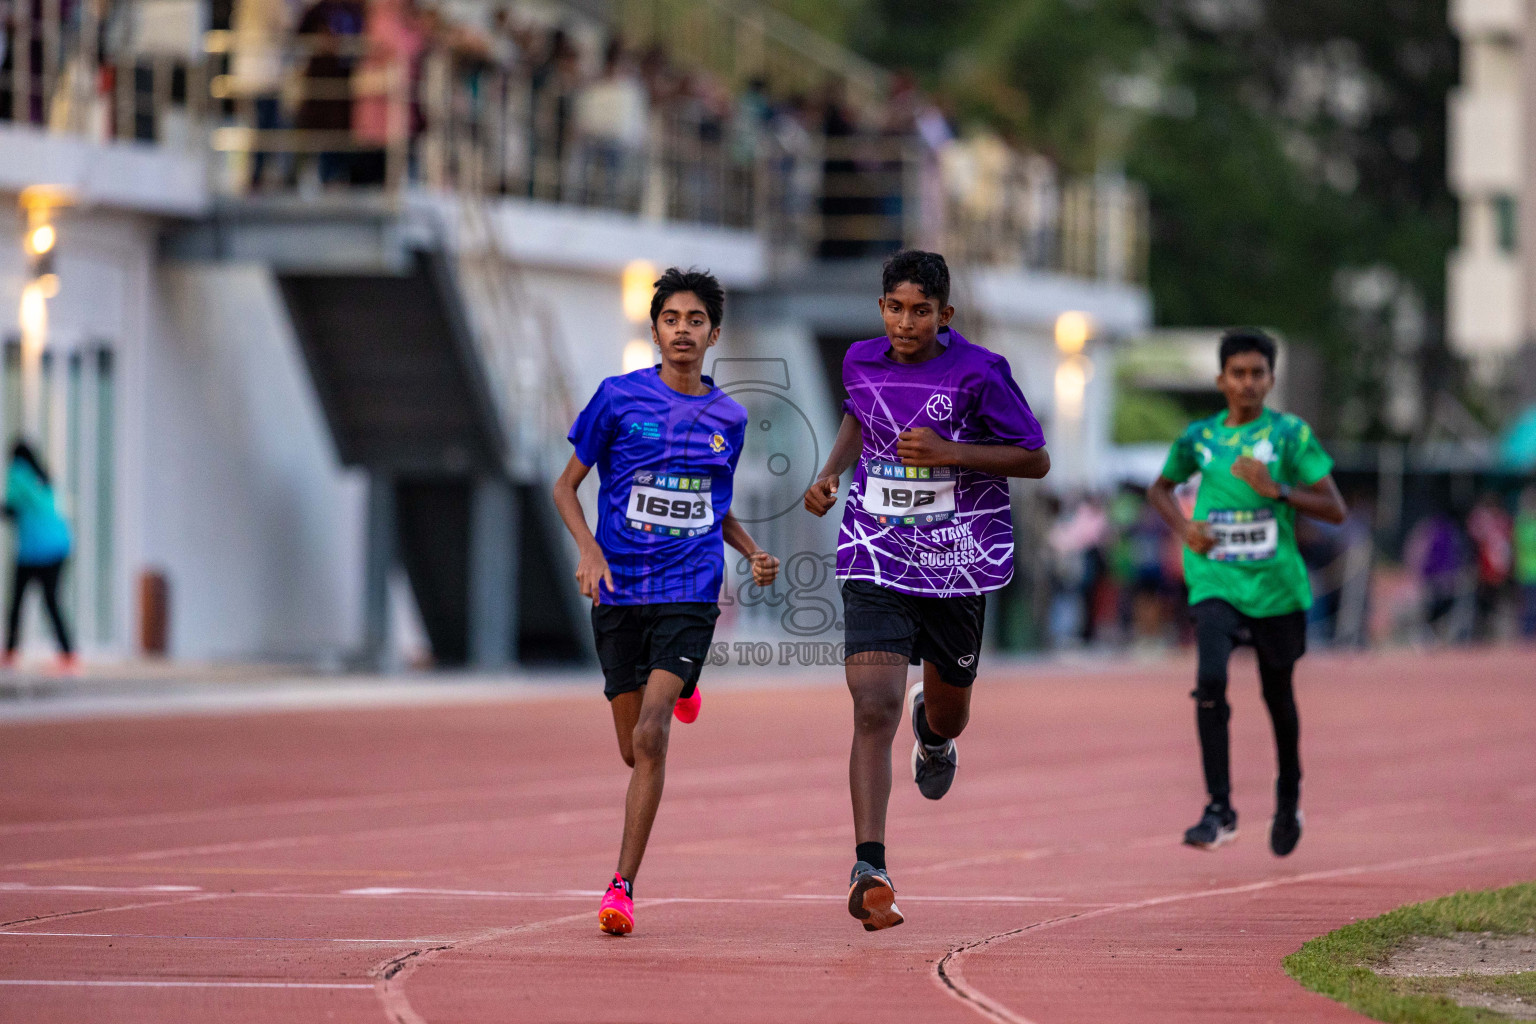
(765, 568)
(922, 446)
(1195, 534)
(822, 495)
(1320, 500)
(593, 566)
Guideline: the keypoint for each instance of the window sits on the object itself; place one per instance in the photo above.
(1506, 222)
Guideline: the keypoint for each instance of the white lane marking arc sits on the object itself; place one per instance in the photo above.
(572, 894)
(947, 973)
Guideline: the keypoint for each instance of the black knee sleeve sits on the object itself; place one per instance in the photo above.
(1211, 697)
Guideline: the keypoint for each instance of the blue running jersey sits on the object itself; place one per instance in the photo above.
(665, 463)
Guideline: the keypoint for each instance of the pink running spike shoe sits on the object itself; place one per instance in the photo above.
(616, 916)
(687, 708)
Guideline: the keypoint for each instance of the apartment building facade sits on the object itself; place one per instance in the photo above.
(1492, 271)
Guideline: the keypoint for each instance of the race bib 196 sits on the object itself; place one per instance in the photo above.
(1244, 535)
(676, 506)
(898, 495)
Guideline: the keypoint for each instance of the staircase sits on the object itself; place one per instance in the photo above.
(414, 342)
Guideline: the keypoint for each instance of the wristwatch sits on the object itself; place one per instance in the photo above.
(1285, 494)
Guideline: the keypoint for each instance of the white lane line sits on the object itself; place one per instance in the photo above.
(583, 894)
(947, 971)
(213, 938)
(701, 781)
(384, 890)
(80, 983)
(834, 898)
(26, 887)
(554, 895)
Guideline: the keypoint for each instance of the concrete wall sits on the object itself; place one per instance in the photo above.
(247, 508)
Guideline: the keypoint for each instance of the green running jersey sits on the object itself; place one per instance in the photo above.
(1255, 566)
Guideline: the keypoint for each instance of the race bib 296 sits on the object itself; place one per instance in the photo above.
(671, 505)
(1244, 535)
(898, 495)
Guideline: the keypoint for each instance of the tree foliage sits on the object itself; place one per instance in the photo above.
(1293, 150)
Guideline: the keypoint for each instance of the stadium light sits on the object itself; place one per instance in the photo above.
(41, 244)
(638, 281)
(41, 239)
(1072, 378)
(637, 355)
(1073, 329)
(33, 319)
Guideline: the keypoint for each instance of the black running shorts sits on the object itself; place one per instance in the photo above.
(943, 630)
(634, 639)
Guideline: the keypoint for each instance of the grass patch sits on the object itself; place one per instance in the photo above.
(1339, 964)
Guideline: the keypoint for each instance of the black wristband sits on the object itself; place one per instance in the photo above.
(1285, 494)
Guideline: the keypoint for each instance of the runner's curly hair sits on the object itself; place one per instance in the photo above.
(701, 282)
(927, 270)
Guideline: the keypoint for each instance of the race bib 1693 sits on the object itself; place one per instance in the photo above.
(898, 495)
(668, 504)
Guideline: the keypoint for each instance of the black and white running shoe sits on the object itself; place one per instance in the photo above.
(1217, 825)
(872, 897)
(1285, 831)
(933, 768)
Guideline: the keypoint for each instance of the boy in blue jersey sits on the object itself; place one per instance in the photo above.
(665, 442)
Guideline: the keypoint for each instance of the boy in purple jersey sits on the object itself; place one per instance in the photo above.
(935, 426)
(665, 442)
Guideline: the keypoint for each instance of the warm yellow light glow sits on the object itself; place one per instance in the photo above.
(42, 238)
(49, 283)
(34, 314)
(637, 356)
(639, 283)
(1073, 329)
(1072, 378)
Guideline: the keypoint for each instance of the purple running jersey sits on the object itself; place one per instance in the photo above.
(942, 531)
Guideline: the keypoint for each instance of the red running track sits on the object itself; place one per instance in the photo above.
(441, 864)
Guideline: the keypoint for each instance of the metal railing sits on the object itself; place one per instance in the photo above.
(327, 111)
(738, 42)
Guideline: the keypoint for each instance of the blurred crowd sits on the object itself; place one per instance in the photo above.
(1475, 575)
(334, 93)
(1117, 579)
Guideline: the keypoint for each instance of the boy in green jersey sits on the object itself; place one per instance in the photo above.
(1247, 582)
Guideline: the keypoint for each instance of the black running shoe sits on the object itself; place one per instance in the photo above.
(1218, 825)
(1285, 831)
(872, 897)
(933, 768)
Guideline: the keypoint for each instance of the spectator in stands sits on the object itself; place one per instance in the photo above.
(42, 546)
(1436, 552)
(842, 180)
(750, 122)
(556, 77)
(1490, 528)
(797, 179)
(1150, 591)
(386, 111)
(261, 30)
(611, 118)
(1525, 561)
(332, 29)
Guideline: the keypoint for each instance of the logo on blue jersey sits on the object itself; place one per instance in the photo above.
(717, 443)
(649, 429)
